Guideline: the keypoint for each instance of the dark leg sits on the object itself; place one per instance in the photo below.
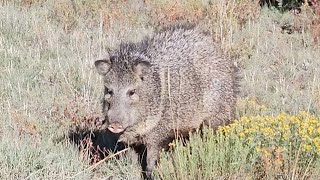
(152, 158)
(142, 152)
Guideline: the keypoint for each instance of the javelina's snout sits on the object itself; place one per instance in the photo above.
(115, 127)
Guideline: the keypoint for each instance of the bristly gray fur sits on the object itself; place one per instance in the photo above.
(180, 81)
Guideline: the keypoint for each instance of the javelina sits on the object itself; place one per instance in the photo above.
(170, 83)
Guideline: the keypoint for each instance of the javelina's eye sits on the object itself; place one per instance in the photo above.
(131, 92)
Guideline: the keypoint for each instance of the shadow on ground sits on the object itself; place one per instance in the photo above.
(95, 144)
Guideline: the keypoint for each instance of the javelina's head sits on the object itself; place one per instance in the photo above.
(124, 81)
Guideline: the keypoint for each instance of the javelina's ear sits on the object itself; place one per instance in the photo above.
(141, 68)
(103, 66)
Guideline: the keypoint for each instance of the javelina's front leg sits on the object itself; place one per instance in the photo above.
(153, 151)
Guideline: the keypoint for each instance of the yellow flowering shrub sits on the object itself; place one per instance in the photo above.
(255, 147)
(295, 131)
(278, 142)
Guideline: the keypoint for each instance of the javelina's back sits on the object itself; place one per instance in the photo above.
(172, 82)
(197, 82)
